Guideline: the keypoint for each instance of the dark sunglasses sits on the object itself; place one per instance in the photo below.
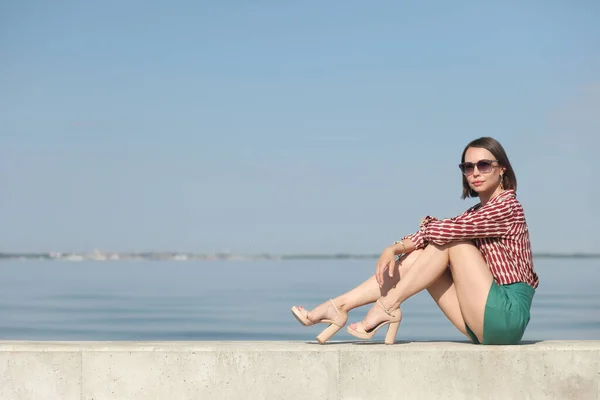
(484, 166)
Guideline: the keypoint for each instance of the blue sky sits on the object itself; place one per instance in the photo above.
(278, 126)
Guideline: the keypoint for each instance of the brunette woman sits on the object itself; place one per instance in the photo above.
(477, 266)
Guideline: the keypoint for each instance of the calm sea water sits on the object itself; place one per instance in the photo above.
(246, 300)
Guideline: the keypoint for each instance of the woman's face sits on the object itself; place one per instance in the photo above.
(481, 170)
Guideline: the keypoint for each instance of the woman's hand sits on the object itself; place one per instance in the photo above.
(387, 260)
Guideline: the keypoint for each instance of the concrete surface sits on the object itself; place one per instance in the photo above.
(298, 370)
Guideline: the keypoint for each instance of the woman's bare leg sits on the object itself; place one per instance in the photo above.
(471, 280)
(442, 291)
(365, 293)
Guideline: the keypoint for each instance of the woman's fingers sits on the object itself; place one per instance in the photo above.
(391, 267)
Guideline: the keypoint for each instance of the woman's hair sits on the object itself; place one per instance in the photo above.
(509, 179)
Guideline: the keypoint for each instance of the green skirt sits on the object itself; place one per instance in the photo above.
(507, 314)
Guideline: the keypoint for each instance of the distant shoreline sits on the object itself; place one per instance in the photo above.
(182, 256)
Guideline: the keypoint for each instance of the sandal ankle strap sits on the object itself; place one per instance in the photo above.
(387, 311)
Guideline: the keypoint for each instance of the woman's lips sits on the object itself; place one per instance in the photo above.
(477, 183)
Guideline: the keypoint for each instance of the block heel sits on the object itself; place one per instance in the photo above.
(328, 333)
(390, 336)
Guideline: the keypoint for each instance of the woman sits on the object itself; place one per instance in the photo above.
(477, 266)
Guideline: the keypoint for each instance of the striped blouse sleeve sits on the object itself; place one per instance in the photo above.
(418, 238)
(492, 220)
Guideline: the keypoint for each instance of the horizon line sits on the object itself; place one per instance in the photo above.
(224, 254)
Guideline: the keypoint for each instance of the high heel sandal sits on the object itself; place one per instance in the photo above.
(335, 324)
(390, 337)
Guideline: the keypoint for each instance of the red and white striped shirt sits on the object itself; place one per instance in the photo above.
(498, 230)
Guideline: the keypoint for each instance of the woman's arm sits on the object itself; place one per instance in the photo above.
(403, 246)
(492, 220)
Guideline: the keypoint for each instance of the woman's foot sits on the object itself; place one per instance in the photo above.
(377, 317)
(377, 314)
(324, 313)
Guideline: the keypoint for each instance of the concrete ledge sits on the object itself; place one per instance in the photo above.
(298, 370)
